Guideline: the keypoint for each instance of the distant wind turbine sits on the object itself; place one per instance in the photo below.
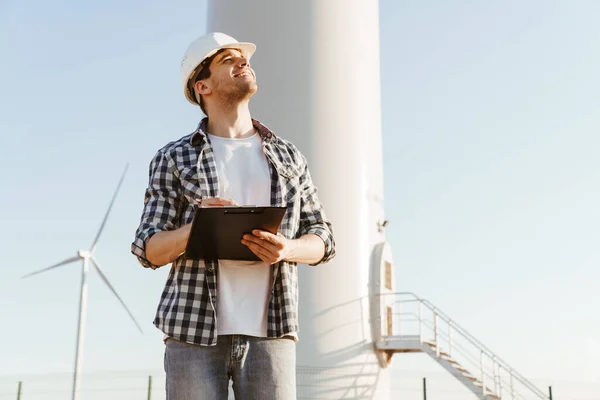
(86, 256)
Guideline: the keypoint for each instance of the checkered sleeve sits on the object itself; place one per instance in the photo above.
(312, 215)
(161, 205)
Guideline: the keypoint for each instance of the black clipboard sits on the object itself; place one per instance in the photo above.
(217, 231)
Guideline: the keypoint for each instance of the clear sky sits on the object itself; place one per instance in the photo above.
(492, 186)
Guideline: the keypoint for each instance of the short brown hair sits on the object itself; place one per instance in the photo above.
(202, 72)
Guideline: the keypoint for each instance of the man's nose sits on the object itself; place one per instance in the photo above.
(244, 62)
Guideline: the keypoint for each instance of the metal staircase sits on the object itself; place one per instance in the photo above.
(410, 324)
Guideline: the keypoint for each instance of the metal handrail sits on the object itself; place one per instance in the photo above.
(460, 349)
(469, 337)
(463, 351)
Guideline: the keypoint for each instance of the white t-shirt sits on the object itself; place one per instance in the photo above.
(243, 287)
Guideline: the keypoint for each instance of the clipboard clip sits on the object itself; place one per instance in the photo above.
(242, 210)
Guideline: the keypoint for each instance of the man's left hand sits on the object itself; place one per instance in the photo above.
(268, 247)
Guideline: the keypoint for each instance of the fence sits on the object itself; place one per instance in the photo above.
(150, 385)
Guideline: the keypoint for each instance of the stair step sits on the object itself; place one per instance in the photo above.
(459, 367)
(464, 372)
(443, 354)
(455, 364)
(489, 392)
(469, 377)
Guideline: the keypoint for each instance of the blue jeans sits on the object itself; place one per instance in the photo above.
(260, 368)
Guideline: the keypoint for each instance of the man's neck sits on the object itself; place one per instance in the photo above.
(231, 123)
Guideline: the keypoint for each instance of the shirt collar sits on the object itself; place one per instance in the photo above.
(199, 134)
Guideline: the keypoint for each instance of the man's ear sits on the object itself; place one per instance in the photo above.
(202, 87)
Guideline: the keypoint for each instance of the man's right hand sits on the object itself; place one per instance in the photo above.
(166, 246)
(216, 202)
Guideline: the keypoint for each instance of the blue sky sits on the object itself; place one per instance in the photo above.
(492, 186)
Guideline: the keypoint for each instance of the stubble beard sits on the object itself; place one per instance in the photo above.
(241, 92)
(231, 94)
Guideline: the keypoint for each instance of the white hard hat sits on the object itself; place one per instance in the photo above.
(204, 47)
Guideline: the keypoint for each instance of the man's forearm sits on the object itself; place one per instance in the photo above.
(308, 249)
(164, 247)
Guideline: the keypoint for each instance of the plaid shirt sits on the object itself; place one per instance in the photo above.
(183, 172)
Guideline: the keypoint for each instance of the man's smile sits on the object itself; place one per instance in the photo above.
(243, 73)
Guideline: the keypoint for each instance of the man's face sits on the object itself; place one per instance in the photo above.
(231, 76)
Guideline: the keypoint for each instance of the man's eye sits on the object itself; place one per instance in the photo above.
(227, 60)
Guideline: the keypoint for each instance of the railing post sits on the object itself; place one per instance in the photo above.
(450, 338)
(494, 366)
(550, 389)
(420, 321)
(19, 390)
(512, 387)
(499, 381)
(496, 374)
(400, 318)
(436, 334)
(483, 390)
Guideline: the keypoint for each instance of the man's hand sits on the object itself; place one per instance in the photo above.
(166, 246)
(269, 247)
(216, 202)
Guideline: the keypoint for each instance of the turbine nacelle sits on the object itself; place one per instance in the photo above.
(84, 254)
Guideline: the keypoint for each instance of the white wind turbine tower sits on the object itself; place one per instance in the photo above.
(86, 256)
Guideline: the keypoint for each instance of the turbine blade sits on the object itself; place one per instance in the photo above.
(108, 211)
(97, 266)
(60, 264)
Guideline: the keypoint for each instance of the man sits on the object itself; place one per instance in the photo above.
(227, 319)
